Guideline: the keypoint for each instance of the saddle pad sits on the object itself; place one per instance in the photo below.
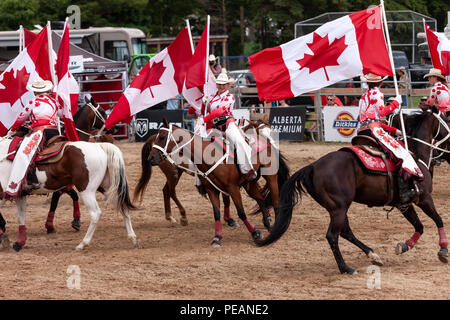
(371, 163)
(51, 152)
(13, 146)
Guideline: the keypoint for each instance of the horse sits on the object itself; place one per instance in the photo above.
(173, 174)
(338, 179)
(87, 119)
(90, 167)
(220, 176)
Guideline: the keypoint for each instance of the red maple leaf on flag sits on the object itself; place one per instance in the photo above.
(325, 54)
(149, 76)
(15, 87)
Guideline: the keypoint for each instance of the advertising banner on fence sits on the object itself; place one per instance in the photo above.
(241, 115)
(288, 122)
(340, 123)
(149, 121)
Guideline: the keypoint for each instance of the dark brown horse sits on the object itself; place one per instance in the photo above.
(338, 179)
(219, 175)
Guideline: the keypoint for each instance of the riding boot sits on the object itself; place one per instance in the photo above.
(407, 193)
(32, 180)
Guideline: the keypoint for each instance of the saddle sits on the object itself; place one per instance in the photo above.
(51, 153)
(374, 160)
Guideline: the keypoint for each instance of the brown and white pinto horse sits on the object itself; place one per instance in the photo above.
(90, 167)
(338, 179)
(217, 174)
(87, 119)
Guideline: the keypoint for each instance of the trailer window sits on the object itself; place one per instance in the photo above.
(139, 46)
(117, 50)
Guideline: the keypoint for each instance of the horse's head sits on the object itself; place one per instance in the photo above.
(168, 138)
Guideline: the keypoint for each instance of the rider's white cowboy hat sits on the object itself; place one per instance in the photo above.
(212, 57)
(434, 72)
(370, 77)
(223, 79)
(40, 85)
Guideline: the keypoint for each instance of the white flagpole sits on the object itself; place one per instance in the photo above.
(52, 64)
(21, 38)
(205, 86)
(190, 35)
(402, 122)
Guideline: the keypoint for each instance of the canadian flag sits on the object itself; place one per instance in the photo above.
(67, 90)
(15, 81)
(439, 47)
(341, 49)
(161, 78)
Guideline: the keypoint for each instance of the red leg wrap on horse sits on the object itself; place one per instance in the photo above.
(268, 212)
(442, 238)
(412, 242)
(49, 222)
(249, 226)
(218, 228)
(76, 210)
(22, 236)
(226, 213)
(1, 232)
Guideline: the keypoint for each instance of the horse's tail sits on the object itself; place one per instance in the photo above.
(289, 195)
(146, 173)
(117, 193)
(282, 177)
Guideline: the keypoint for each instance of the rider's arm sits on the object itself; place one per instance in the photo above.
(219, 112)
(21, 119)
(391, 130)
(385, 110)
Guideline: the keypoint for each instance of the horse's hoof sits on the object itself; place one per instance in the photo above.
(172, 220)
(51, 230)
(257, 235)
(184, 222)
(17, 247)
(232, 223)
(443, 255)
(4, 240)
(216, 242)
(376, 260)
(76, 224)
(80, 247)
(350, 271)
(401, 248)
(267, 223)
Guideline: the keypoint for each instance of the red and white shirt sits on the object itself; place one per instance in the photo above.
(219, 106)
(440, 96)
(371, 106)
(42, 110)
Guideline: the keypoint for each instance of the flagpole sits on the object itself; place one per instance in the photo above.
(190, 35)
(205, 86)
(402, 122)
(21, 40)
(52, 63)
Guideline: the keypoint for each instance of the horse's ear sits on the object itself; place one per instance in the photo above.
(86, 99)
(93, 101)
(434, 110)
(266, 119)
(165, 123)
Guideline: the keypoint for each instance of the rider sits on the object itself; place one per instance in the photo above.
(372, 108)
(439, 94)
(221, 117)
(42, 111)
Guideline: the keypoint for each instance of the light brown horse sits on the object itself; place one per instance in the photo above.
(222, 177)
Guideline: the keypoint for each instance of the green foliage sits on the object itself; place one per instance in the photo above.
(266, 23)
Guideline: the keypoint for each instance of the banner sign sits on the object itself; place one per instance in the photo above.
(149, 121)
(288, 122)
(340, 123)
(241, 115)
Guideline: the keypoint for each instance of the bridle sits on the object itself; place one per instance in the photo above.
(168, 156)
(98, 115)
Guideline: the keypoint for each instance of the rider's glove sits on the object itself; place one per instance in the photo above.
(398, 99)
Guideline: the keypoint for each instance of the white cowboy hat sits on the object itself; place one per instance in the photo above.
(370, 77)
(212, 57)
(434, 72)
(223, 79)
(40, 85)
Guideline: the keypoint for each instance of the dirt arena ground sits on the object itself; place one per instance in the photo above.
(176, 262)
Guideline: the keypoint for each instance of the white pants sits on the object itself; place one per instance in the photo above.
(243, 150)
(24, 155)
